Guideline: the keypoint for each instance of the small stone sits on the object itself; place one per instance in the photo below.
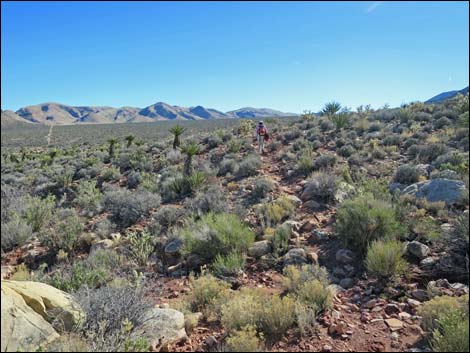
(347, 283)
(344, 256)
(420, 295)
(418, 249)
(313, 257)
(394, 324)
(404, 315)
(308, 226)
(327, 348)
(392, 309)
(413, 303)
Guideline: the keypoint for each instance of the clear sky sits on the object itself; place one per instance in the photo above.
(289, 56)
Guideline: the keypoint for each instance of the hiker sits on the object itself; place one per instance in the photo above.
(261, 135)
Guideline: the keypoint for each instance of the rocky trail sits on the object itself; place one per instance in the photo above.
(360, 321)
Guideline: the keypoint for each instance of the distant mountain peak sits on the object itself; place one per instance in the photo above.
(446, 95)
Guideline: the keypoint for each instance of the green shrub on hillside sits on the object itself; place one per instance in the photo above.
(361, 220)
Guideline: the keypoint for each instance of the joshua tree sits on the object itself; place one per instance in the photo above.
(177, 131)
(52, 155)
(190, 149)
(331, 108)
(112, 143)
(129, 140)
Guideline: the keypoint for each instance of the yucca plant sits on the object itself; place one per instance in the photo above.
(190, 150)
(112, 144)
(177, 131)
(130, 139)
(331, 108)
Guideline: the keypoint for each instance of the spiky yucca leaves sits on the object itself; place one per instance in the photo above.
(112, 145)
(130, 139)
(177, 131)
(190, 150)
(331, 108)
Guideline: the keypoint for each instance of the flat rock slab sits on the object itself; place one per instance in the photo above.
(394, 324)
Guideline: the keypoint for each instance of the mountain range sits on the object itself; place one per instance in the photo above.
(446, 95)
(61, 114)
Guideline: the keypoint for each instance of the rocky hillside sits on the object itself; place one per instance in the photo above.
(10, 118)
(349, 233)
(60, 114)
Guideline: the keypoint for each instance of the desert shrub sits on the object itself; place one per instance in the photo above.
(207, 295)
(66, 227)
(385, 259)
(127, 207)
(174, 156)
(14, 233)
(295, 276)
(261, 188)
(277, 316)
(216, 234)
(72, 277)
(274, 212)
(326, 125)
(324, 161)
(211, 200)
(234, 146)
(38, 212)
(228, 265)
(442, 122)
(271, 315)
(196, 181)
(392, 140)
(135, 159)
(133, 179)
(212, 141)
(111, 174)
(346, 151)
(363, 219)
(305, 164)
(249, 166)
(426, 229)
(227, 165)
(315, 294)
(378, 154)
(292, 134)
(165, 218)
(140, 246)
(280, 240)
(374, 127)
(407, 174)
(243, 340)
(434, 309)
(321, 187)
(461, 230)
(104, 228)
(340, 121)
(426, 153)
(88, 196)
(455, 161)
(113, 314)
(306, 318)
(452, 334)
(149, 182)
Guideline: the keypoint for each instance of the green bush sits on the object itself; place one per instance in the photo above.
(295, 276)
(14, 233)
(407, 174)
(270, 314)
(216, 234)
(244, 340)
(361, 220)
(315, 294)
(207, 295)
(434, 309)
(452, 334)
(249, 166)
(65, 229)
(274, 212)
(280, 240)
(385, 259)
(228, 265)
(38, 212)
(140, 246)
(88, 196)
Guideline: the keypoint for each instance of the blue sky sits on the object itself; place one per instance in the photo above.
(289, 56)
